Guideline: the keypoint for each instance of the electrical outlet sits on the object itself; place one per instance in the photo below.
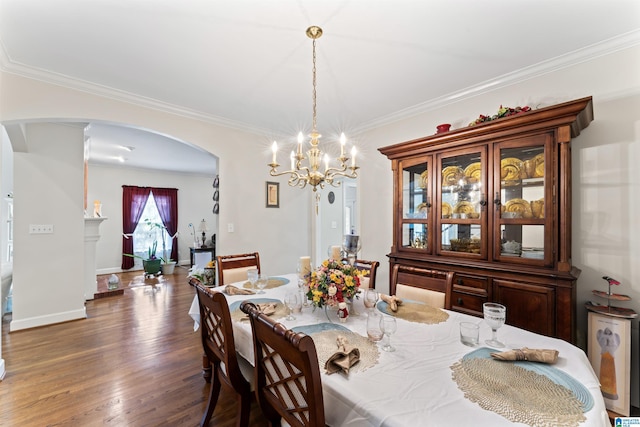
(230, 227)
(41, 229)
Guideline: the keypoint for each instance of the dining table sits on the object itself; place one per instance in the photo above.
(419, 383)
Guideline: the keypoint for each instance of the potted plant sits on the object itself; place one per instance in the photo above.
(168, 264)
(152, 264)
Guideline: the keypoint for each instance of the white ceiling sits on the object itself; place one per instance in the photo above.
(247, 63)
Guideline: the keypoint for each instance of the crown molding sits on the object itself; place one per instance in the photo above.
(13, 67)
(588, 53)
(585, 54)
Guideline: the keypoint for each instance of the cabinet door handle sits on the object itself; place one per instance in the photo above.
(460, 302)
(460, 282)
(497, 202)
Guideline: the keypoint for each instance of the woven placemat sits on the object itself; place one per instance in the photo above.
(516, 393)
(415, 312)
(273, 282)
(326, 346)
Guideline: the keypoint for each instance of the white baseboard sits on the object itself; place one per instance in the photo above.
(49, 319)
(2, 370)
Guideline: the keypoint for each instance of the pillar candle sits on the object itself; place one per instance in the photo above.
(335, 252)
(305, 265)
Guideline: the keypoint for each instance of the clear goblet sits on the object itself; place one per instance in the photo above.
(370, 298)
(262, 282)
(292, 301)
(252, 277)
(388, 326)
(495, 316)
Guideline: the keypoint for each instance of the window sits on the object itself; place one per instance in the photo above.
(162, 210)
(144, 236)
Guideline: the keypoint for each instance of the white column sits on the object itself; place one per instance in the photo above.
(91, 237)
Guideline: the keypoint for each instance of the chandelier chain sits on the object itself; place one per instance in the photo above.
(315, 110)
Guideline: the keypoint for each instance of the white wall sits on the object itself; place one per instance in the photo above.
(195, 203)
(280, 235)
(606, 232)
(49, 189)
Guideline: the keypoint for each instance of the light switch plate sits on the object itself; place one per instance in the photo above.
(40, 228)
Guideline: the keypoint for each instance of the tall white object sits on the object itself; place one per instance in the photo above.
(91, 237)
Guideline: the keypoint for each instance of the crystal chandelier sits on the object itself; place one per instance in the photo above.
(301, 175)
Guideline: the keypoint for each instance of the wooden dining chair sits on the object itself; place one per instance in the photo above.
(227, 369)
(368, 281)
(433, 287)
(287, 374)
(233, 268)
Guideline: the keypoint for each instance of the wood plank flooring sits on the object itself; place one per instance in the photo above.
(135, 361)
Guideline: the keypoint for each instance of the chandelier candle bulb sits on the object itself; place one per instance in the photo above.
(326, 162)
(343, 140)
(274, 148)
(353, 156)
(292, 157)
(300, 139)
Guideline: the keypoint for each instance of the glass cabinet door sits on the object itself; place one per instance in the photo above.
(462, 213)
(415, 204)
(521, 200)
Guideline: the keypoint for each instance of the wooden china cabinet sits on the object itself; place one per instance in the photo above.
(492, 203)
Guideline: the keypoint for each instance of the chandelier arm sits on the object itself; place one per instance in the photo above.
(352, 174)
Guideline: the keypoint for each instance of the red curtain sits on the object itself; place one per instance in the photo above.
(134, 200)
(167, 203)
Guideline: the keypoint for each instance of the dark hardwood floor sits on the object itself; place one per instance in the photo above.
(135, 361)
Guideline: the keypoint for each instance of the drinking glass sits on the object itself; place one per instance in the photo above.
(388, 326)
(370, 299)
(304, 288)
(292, 301)
(252, 277)
(495, 316)
(373, 326)
(262, 281)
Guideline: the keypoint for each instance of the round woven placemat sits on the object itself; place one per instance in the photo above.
(326, 346)
(518, 394)
(416, 312)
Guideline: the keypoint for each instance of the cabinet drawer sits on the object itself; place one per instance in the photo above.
(461, 280)
(467, 303)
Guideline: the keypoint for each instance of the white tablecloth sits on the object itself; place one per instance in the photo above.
(413, 386)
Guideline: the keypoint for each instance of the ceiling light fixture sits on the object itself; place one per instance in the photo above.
(301, 175)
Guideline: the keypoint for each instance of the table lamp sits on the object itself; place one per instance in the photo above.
(203, 229)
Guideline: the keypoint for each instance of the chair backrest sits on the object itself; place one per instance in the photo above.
(368, 281)
(233, 268)
(217, 337)
(430, 286)
(288, 384)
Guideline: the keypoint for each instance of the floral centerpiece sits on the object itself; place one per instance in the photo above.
(334, 282)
